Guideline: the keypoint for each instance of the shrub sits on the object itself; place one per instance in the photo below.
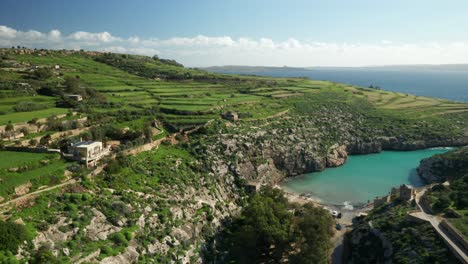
(128, 235)
(8, 258)
(44, 255)
(11, 236)
(441, 204)
(42, 73)
(119, 239)
(106, 250)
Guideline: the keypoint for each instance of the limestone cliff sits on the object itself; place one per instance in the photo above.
(269, 151)
(442, 167)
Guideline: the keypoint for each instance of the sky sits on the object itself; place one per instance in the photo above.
(247, 32)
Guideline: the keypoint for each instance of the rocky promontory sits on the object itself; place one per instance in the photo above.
(442, 167)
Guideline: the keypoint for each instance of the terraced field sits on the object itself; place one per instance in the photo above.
(416, 106)
(39, 169)
(187, 103)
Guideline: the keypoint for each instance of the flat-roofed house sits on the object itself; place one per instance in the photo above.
(88, 152)
(75, 97)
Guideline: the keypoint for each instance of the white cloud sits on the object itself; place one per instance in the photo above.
(55, 35)
(224, 50)
(104, 37)
(7, 33)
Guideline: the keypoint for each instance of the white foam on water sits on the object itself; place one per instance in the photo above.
(448, 148)
(348, 206)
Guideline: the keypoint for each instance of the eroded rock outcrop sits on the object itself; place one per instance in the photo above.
(442, 167)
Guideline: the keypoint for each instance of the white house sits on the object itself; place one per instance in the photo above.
(88, 152)
(75, 97)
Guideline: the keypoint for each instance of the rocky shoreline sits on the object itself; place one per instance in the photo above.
(269, 153)
(439, 168)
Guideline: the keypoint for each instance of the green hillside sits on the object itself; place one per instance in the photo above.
(178, 173)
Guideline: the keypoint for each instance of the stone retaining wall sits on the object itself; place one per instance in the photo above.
(454, 233)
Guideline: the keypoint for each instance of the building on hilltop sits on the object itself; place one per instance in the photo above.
(75, 97)
(88, 152)
(231, 116)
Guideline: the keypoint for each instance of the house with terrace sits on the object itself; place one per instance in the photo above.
(87, 152)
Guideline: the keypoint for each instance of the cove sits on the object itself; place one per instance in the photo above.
(362, 177)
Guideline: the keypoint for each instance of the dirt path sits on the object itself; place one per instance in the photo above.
(35, 193)
(27, 196)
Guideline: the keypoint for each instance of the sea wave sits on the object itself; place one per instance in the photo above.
(447, 148)
(348, 206)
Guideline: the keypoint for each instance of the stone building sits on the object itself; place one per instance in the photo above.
(231, 116)
(75, 97)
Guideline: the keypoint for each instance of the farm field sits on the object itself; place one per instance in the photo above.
(17, 168)
(187, 103)
(183, 104)
(27, 116)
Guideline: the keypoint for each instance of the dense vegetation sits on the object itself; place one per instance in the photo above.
(12, 236)
(270, 229)
(407, 241)
(451, 200)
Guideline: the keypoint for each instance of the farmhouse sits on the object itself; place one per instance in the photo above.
(232, 116)
(88, 152)
(75, 97)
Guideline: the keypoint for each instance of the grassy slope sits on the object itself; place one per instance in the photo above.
(30, 170)
(193, 102)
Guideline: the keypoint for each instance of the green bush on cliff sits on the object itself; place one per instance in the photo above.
(12, 236)
(267, 230)
(411, 242)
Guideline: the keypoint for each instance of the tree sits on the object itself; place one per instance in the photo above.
(45, 140)
(268, 232)
(263, 231)
(72, 85)
(44, 255)
(441, 204)
(6, 257)
(24, 130)
(33, 121)
(313, 232)
(33, 142)
(43, 73)
(9, 126)
(11, 236)
(148, 132)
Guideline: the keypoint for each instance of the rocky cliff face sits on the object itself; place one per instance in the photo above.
(440, 168)
(269, 151)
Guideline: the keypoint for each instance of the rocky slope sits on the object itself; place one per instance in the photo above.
(269, 151)
(440, 168)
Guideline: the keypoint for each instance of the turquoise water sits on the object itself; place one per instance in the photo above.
(362, 177)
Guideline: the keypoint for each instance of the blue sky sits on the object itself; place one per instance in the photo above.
(424, 28)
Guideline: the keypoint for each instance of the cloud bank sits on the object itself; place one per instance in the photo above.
(208, 51)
